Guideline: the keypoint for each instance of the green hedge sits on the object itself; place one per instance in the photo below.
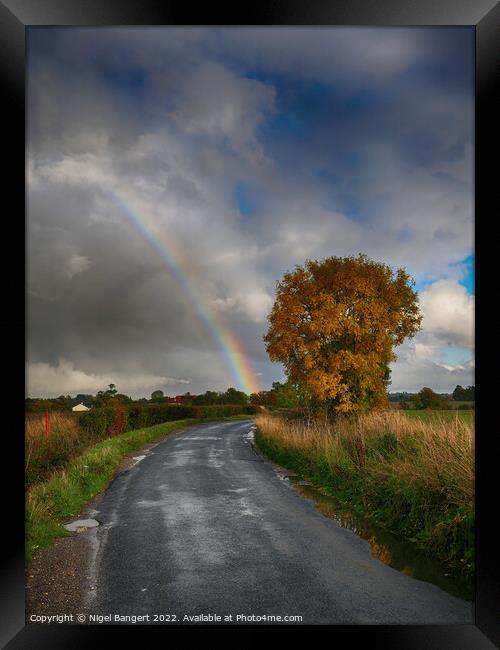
(106, 421)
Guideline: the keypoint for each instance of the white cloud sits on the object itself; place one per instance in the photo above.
(256, 304)
(213, 98)
(448, 313)
(79, 170)
(77, 264)
(215, 101)
(412, 374)
(448, 324)
(45, 380)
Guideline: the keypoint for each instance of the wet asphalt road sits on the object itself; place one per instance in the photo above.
(203, 525)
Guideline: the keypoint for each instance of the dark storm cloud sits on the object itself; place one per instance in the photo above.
(115, 292)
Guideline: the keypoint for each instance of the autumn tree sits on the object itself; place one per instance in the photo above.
(334, 325)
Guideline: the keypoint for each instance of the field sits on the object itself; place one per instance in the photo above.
(447, 416)
(411, 472)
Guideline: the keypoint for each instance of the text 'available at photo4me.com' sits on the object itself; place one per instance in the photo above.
(133, 619)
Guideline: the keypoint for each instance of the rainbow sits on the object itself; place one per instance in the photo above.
(173, 260)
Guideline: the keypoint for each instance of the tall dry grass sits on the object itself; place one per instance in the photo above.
(416, 477)
(438, 454)
(69, 435)
(43, 454)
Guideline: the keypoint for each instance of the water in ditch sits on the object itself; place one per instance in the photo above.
(386, 547)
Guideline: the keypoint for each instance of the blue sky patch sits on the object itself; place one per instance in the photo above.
(455, 356)
(243, 199)
(125, 81)
(468, 279)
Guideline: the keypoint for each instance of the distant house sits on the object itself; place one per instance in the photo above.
(187, 398)
(80, 407)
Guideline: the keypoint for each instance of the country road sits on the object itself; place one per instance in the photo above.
(203, 525)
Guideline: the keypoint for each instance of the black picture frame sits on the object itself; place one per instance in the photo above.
(15, 17)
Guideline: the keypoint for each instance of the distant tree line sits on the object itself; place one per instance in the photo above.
(459, 395)
(286, 395)
(209, 398)
(464, 394)
(426, 398)
(231, 396)
(401, 397)
(111, 396)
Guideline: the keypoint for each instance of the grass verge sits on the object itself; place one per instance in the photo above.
(412, 477)
(67, 491)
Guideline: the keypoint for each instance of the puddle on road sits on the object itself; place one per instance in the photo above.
(386, 547)
(80, 525)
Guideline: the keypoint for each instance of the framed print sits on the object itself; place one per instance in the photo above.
(250, 244)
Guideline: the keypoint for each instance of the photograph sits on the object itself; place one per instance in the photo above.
(250, 319)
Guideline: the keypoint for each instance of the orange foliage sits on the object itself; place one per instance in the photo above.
(334, 325)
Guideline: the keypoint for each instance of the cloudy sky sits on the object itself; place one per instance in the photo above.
(175, 174)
